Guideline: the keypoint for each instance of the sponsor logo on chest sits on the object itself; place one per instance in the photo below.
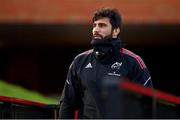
(115, 67)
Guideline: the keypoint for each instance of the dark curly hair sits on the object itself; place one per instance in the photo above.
(112, 14)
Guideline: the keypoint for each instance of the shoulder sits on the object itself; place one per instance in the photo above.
(85, 53)
(132, 57)
(83, 56)
(80, 59)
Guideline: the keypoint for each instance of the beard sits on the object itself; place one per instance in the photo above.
(101, 40)
(97, 36)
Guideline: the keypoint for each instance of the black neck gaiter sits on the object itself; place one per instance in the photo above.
(107, 50)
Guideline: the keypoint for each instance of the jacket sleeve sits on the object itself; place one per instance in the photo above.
(140, 73)
(70, 97)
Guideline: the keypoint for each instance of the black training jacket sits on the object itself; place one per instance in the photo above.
(87, 80)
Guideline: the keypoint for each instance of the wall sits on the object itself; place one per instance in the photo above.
(80, 11)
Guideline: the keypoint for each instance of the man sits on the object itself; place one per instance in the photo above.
(92, 71)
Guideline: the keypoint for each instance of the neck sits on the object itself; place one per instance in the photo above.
(106, 50)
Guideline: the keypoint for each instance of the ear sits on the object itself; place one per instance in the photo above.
(115, 32)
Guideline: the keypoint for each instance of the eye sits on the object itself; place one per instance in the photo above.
(94, 25)
(102, 25)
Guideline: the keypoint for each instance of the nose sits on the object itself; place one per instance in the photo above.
(96, 29)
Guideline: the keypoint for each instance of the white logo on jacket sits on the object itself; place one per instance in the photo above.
(116, 65)
(114, 74)
(89, 65)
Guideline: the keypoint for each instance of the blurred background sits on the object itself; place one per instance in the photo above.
(40, 38)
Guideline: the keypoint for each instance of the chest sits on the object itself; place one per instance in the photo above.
(94, 74)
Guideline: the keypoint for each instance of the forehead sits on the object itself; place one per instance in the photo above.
(103, 20)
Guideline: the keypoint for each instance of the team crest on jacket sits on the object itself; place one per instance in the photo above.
(116, 65)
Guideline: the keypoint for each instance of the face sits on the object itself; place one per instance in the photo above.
(102, 28)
